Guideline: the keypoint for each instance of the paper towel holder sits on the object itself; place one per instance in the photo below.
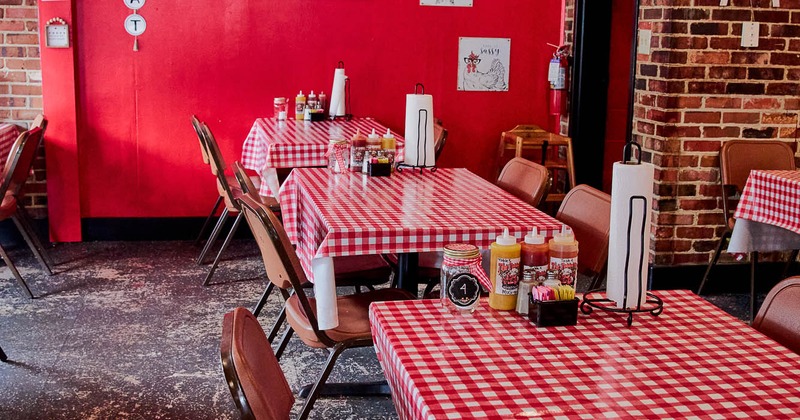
(347, 114)
(419, 89)
(593, 299)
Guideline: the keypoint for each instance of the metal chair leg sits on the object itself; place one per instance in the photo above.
(208, 220)
(753, 262)
(714, 260)
(223, 248)
(3, 357)
(323, 376)
(276, 326)
(20, 281)
(284, 341)
(27, 221)
(263, 300)
(33, 243)
(213, 237)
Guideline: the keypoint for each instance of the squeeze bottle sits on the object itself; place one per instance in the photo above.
(535, 258)
(564, 256)
(299, 106)
(504, 272)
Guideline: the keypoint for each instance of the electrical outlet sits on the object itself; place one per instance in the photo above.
(750, 34)
(645, 38)
(723, 2)
(776, 3)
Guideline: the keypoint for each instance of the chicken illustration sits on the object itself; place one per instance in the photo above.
(474, 79)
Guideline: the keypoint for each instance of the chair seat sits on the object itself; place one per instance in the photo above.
(353, 315)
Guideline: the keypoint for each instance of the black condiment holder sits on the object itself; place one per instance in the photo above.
(596, 299)
(422, 122)
(553, 313)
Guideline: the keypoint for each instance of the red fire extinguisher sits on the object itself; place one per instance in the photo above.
(557, 77)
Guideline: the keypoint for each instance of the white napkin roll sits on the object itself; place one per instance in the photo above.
(629, 180)
(337, 104)
(419, 146)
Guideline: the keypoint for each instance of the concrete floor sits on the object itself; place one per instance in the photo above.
(125, 330)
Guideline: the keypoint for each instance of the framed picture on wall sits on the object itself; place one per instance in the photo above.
(483, 64)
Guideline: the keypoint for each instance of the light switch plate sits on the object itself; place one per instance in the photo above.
(776, 3)
(645, 37)
(723, 2)
(750, 34)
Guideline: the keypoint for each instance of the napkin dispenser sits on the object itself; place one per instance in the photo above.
(379, 169)
(553, 313)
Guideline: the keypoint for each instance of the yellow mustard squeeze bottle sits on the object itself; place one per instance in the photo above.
(504, 272)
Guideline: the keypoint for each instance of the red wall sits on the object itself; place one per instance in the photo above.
(226, 60)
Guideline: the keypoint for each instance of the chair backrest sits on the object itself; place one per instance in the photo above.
(526, 180)
(588, 212)
(738, 157)
(779, 316)
(41, 122)
(20, 160)
(198, 130)
(440, 136)
(255, 379)
(280, 259)
(218, 168)
(245, 183)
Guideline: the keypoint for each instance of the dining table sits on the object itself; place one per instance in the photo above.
(329, 215)
(8, 134)
(768, 213)
(692, 361)
(275, 144)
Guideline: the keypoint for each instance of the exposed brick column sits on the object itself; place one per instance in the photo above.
(698, 88)
(21, 84)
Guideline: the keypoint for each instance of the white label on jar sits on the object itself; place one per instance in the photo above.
(282, 115)
(567, 269)
(507, 276)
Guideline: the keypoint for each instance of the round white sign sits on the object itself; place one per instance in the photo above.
(135, 24)
(134, 4)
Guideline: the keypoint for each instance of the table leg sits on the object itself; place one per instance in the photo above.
(3, 356)
(407, 278)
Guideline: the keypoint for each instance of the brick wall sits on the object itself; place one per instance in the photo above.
(698, 88)
(20, 83)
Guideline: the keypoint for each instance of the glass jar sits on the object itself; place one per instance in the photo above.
(460, 277)
(338, 156)
(280, 106)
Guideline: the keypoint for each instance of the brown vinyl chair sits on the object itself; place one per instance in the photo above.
(254, 377)
(15, 173)
(588, 212)
(526, 180)
(284, 271)
(736, 159)
(359, 271)
(779, 315)
(440, 136)
(254, 179)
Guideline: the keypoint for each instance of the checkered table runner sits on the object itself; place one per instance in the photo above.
(693, 360)
(8, 134)
(329, 215)
(298, 144)
(771, 197)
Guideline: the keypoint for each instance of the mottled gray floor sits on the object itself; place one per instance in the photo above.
(125, 330)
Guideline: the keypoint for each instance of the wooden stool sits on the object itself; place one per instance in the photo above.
(531, 137)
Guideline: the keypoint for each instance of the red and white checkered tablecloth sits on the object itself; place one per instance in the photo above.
(771, 197)
(330, 215)
(298, 144)
(692, 361)
(8, 134)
